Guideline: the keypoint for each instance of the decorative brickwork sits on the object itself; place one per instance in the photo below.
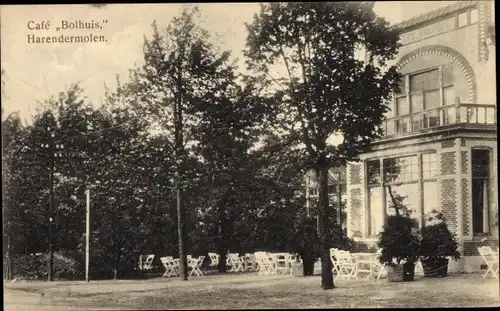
(465, 162)
(355, 174)
(355, 210)
(457, 59)
(466, 213)
(448, 163)
(470, 247)
(483, 19)
(463, 143)
(448, 144)
(449, 203)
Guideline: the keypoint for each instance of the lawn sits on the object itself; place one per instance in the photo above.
(250, 291)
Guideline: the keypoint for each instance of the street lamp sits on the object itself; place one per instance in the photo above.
(54, 151)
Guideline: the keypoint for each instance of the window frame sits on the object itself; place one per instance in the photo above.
(486, 205)
(424, 117)
(382, 185)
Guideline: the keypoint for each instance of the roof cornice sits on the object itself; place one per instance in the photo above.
(429, 16)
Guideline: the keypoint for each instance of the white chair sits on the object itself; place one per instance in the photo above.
(380, 268)
(282, 263)
(146, 262)
(195, 265)
(250, 262)
(266, 264)
(236, 263)
(335, 265)
(490, 258)
(317, 266)
(419, 269)
(214, 259)
(171, 266)
(365, 263)
(347, 265)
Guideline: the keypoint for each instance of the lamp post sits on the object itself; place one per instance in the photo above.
(54, 151)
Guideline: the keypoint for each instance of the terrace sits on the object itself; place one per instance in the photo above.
(458, 114)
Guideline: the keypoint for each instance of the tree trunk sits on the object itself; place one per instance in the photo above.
(223, 240)
(324, 213)
(179, 146)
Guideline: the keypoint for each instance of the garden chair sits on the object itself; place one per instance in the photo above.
(266, 265)
(335, 265)
(380, 268)
(251, 262)
(146, 262)
(317, 266)
(258, 256)
(236, 263)
(419, 269)
(290, 259)
(282, 263)
(490, 258)
(214, 259)
(195, 265)
(366, 263)
(171, 266)
(347, 265)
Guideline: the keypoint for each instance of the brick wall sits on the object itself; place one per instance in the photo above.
(466, 213)
(356, 210)
(448, 163)
(448, 144)
(465, 161)
(470, 247)
(449, 203)
(355, 176)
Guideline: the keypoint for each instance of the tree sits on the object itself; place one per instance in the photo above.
(327, 90)
(177, 74)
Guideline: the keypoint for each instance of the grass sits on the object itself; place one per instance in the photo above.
(254, 292)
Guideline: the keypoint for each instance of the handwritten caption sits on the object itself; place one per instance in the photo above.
(92, 27)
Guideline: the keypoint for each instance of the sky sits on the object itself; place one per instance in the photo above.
(34, 72)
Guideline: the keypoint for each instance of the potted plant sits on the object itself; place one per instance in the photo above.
(437, 245)
(399, 242)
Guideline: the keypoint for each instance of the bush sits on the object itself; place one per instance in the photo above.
(437, 241)
(399, 240)
(37, 267)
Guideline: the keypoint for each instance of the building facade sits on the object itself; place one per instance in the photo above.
(440, 145)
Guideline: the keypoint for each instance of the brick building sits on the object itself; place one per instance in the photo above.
(440, 147)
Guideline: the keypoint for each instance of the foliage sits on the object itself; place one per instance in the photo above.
(35, 267)
(326, 90)
(399, 239)
(437, 241)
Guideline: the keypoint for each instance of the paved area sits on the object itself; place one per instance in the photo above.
(250, 291)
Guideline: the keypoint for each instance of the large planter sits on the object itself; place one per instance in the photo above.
(401, 273)
(308, 266)
(435, 267)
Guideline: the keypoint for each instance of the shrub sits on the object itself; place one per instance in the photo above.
(436, 239)
(399, 240)
(36, 267)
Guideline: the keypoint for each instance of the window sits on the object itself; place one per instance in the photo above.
(480, 191)
(401, 178)
(429, 166)
(373, 172)
(337, 191)
(376, 211)
(400, 170)
(462, 19)
(422, 98)
(473, 16)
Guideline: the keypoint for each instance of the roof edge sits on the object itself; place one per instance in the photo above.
(426, 17)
